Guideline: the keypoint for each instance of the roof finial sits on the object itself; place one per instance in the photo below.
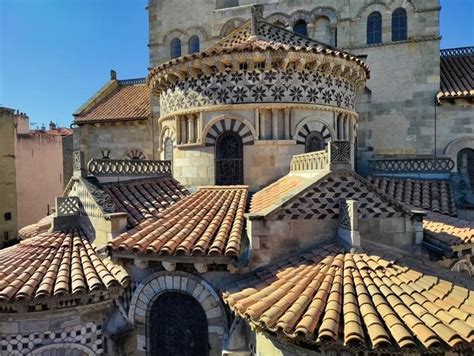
(257, 14)
(113, 74)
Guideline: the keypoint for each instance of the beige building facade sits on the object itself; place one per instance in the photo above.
(32, 169)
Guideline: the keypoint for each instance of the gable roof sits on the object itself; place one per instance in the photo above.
(430, 194)
(353, 302)
(119, 100)
(318, 197)
(208, 222)
(55, 264)
(457, 73)
(145, 198)
(258, 35)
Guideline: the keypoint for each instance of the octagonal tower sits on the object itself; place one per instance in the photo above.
(237, 112)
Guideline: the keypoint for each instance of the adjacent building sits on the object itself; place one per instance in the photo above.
(31, 173)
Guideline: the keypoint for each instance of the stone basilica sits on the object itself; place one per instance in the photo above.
(291, 178)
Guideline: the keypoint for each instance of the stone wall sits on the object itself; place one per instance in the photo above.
(265, 159)
(75, 331)
(403, 85)
(36, 153)
(116, 139)
(8, 208)
(273, 239)
(455, 127)
(404, 75)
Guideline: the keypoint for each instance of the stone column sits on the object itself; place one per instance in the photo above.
(183, 130)
(348, 231)
(286, 113)
(274, 124)
(190, 124)
(262, 120)
(257, 123)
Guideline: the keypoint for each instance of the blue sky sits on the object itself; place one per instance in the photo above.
(55, 54)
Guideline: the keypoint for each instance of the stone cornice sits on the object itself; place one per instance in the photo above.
(221, 63)
(421, 39)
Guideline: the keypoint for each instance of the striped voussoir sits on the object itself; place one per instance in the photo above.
(356, 302)
(313, 126)
(232, 125)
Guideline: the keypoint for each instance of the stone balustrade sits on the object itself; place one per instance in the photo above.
(116, 167)
(410, 165)
(309, 161)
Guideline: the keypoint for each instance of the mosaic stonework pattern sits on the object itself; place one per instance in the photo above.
(340, 152)
(322, 201)
(67, 206)
(89, 335)
(258, 86)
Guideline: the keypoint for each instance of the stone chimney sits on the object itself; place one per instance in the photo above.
(348, 232)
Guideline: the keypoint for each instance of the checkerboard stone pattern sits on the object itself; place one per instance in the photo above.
(321, 201)
(85, 336)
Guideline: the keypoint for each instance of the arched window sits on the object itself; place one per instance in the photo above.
(193, 45)
(105, 154)
(314, 142)
(175, 47)
(374, 28)
(168, 149)
(322, 30)
(177, 326)
(135, 154)
(301, 28)
(229, 159)
(399, 25)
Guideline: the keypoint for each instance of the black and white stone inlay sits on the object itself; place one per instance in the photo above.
(258, 86)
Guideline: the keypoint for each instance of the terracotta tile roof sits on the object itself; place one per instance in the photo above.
(145, 198)
(354, 302)
(126, 102)
(208, 222)
(267, 37)
(34, 229)
(434, 195)
(276, 192)
(55, 264)
(457, 72)
(61, 131)
(446, 230)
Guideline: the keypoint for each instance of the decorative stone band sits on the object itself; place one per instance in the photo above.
(116, 167)
(67, 206)
(428, 165)
(258, 86)
(309, 161)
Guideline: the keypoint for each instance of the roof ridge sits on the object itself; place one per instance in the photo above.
(132, 81)
(457, 51)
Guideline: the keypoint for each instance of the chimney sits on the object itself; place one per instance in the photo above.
(52, 125)
(113, 75)
(348, 232)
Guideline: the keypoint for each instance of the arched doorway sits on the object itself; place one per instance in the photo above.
(178, 326)
(229, 159)
(315, 141)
